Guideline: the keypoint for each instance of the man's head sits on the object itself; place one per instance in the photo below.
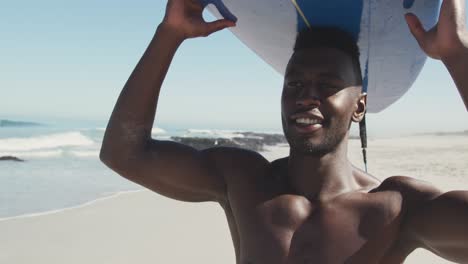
(322, 92)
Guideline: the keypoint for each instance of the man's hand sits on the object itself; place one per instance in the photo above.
(448, 38)
(447, 41)
(186, 18)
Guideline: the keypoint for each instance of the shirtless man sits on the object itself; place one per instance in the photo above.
(313, 206)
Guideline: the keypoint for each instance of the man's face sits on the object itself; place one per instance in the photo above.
(321, 96)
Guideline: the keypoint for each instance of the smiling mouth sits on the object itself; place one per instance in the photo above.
(307, 125)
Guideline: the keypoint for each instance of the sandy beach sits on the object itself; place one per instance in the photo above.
(143, 227)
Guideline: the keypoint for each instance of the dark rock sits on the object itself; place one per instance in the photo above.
(249, 140)
(204, 143)
(246, 140)
(10, 158)
(268, 139)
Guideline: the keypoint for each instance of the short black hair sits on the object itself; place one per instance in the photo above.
(330, 37)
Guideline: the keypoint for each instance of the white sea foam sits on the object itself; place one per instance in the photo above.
(69, 139)
(155, 130)
(200, 131)
(85, 153)
(229, 134)
(273, 132)
(53, 153)
(35, 154)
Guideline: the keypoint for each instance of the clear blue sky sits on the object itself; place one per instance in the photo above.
(69, 60)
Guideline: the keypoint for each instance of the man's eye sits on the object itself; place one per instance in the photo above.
(327, 86)
(295, 84)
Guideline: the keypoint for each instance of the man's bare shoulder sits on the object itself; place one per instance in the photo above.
(229, 159)
(241, 166)
(411, 189)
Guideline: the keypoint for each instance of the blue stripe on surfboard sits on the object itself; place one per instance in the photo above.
(222, 9)
(344, 14)
(407, 4)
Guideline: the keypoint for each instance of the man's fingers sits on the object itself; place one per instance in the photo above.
(416, 28)
(218, 25)
(453, 11)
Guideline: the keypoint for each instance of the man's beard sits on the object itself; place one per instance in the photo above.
(302, 145)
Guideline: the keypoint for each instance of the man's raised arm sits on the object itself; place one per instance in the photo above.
(169, 168)
(447, 41)
(439, 221)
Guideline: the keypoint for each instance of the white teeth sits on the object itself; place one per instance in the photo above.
(307, 121)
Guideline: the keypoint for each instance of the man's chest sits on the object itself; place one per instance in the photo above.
(291, 229)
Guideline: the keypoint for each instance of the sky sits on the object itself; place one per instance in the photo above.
(68, 60)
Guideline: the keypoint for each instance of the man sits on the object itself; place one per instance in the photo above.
(313, 206)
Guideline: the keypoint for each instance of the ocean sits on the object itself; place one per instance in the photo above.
(62, 167)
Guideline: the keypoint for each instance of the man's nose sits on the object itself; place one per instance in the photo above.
(307, 98)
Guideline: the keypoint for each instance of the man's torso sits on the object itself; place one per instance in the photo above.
(270, 224)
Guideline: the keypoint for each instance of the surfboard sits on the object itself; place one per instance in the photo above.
(390, 57)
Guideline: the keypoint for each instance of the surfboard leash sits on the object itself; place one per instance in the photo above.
(299, 10)
(363, 136)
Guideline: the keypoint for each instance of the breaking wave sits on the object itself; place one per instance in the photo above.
(70, 139)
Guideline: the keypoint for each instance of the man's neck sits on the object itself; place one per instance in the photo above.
(321, 177)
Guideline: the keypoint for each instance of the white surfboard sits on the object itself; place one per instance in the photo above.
(390, 57)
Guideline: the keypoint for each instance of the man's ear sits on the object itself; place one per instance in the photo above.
(361, 108)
